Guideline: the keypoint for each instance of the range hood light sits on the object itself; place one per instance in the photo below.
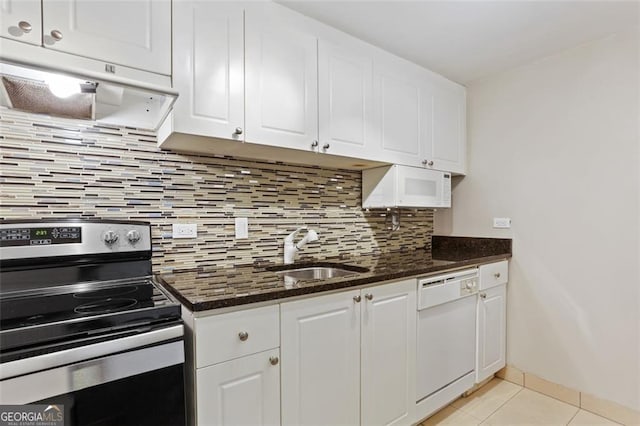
(63, 86)
(52, 92)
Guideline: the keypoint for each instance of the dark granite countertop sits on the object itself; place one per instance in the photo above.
(204, 289)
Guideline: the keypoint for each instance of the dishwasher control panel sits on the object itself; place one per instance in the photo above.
(468, 286)
(441, 289)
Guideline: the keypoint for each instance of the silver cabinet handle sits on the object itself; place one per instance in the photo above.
(357, 299)
(497, 275)
(427, 163)
(274, 360)
(25, 26)
(483, 295)
(326, 146)
(238, 131)
(314, 144)
(57, 35)
(243, 335)
(368, 296)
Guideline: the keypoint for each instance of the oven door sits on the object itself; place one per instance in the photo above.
(141, 386)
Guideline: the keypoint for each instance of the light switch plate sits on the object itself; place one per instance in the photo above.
(184, 230)
(502, 222)
(242, 227)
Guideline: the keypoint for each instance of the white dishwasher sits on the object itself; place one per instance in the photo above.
(446, 351)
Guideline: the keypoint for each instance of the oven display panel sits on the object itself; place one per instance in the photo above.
(11, 237)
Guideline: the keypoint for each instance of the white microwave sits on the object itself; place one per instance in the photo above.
(404, 186)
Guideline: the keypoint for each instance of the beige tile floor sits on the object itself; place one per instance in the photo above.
(502, 403)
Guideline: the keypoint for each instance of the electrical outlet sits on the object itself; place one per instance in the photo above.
(242, 227)
(502, 222)
(184, 230)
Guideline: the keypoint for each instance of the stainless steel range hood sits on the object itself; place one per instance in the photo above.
(55, 93)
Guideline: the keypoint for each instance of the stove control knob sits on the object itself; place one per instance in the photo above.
(133, 236)
(110, 237)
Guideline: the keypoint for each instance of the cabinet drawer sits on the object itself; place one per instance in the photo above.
(494, 274)
(227, 336)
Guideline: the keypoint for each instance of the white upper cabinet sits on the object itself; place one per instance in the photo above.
(404, 122)
(422, 117)
(208, 68)
(345, 95)
(445, 147)
(281, 79)
(133, 33)
(21, 20)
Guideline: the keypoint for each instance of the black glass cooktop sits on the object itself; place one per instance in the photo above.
(50, 319)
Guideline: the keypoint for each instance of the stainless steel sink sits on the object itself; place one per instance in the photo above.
(317, 272)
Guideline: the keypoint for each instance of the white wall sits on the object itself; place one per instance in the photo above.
(555, 146)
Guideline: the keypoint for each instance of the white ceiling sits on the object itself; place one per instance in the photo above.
(467, 40)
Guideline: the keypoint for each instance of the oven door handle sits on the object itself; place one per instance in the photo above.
(71, 378)
(82, 353)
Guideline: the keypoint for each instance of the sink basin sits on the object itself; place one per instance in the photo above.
(317, 272)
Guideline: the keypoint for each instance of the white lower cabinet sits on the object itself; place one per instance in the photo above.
(491, 336)
(243, 391)
(349, 358)
(388, 382)
(236, 360)
(492, 304)
(321, 360)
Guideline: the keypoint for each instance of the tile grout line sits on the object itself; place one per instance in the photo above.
(482, 421)
(580, 396)
(557, 399)
(574, 416)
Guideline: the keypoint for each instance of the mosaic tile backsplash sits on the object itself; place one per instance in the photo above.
(54, 168)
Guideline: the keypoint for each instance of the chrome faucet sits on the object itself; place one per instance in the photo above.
(290, 249)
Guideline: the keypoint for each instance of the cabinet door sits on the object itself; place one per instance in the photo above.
(281, 81)
(405, 115)
(389, 354)
(134, 33)
(345, 91)
(320, 344)
(244, 391)
(208, 68)
(21, 20)
(491, 347)
(445, 149)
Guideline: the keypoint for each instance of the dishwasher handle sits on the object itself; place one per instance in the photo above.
(447, 278)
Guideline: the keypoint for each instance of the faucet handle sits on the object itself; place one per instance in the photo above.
(289, 238)
(310, 237)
